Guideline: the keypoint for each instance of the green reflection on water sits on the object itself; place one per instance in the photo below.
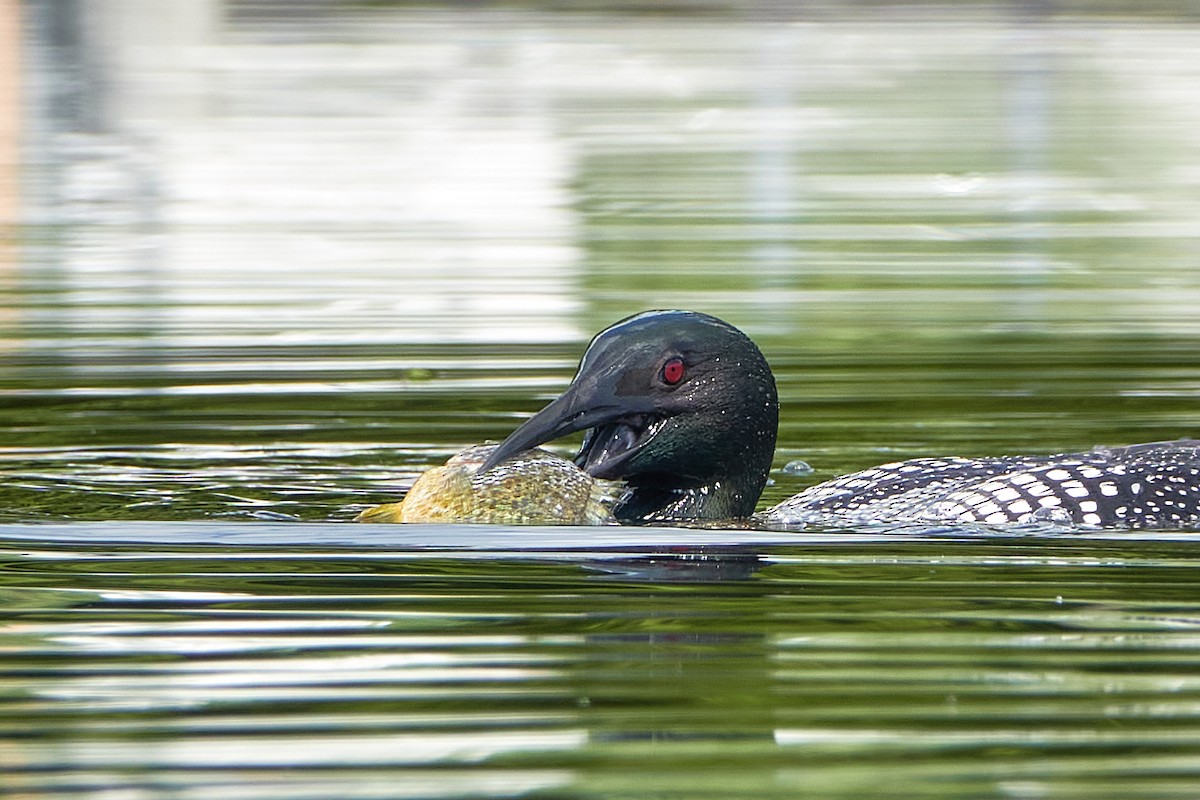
(278, 262)
(949, 666)
(978, 241)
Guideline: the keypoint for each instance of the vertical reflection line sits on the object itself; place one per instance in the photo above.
(772, 201)
(1030, 102)
(10, 128)
(10, 160)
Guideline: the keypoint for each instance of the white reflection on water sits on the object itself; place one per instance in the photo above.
(428, 747)
(332, 671)
(917, 740)
(299, 784)
(294, 186)
(400, 175)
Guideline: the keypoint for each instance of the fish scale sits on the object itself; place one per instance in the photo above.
(534, 488)
(1146, 485)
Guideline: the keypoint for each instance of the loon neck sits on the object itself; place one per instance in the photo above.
(661, 499)
(654, 504)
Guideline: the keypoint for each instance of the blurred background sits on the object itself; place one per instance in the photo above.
(272, 257)
(267, 261)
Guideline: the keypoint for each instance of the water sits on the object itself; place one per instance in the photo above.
(273, 261)
(260, 660)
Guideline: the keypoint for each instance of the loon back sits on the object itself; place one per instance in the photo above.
(1155, 485)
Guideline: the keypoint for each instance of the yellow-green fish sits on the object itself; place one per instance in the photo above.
(533, 488)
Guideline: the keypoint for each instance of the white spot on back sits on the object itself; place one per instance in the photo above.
(1020, 507)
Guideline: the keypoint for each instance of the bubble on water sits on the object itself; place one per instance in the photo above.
(797, 468)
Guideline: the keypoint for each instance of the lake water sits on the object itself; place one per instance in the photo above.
(266, 262)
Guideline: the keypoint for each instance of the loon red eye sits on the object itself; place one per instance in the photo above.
(673, 370)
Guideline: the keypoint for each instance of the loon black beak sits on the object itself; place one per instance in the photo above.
(618, 426)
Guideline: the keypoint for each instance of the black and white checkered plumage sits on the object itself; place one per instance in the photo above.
(1154, 485)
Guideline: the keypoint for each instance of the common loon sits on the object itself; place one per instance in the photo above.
(683, 407)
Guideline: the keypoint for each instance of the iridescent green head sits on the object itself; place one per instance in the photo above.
(680, 405)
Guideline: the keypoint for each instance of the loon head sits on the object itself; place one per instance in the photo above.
(679, 405)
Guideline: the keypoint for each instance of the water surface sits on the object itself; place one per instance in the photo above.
(272, 261)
